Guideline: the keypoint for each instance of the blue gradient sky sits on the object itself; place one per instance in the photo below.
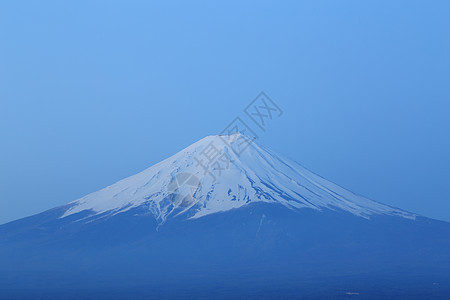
(94, 91)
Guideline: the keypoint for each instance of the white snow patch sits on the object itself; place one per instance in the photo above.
(256, 175)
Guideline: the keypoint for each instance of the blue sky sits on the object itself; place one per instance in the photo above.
(94, 91)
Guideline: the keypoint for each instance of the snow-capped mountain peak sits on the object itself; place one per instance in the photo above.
(220, 173)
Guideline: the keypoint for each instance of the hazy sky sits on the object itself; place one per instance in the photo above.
(95, 91)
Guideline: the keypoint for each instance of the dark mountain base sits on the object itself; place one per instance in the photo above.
(258, 252)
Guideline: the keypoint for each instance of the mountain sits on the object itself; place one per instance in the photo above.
(225, 218)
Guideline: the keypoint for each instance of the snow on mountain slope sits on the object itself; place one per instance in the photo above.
(239, 173)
